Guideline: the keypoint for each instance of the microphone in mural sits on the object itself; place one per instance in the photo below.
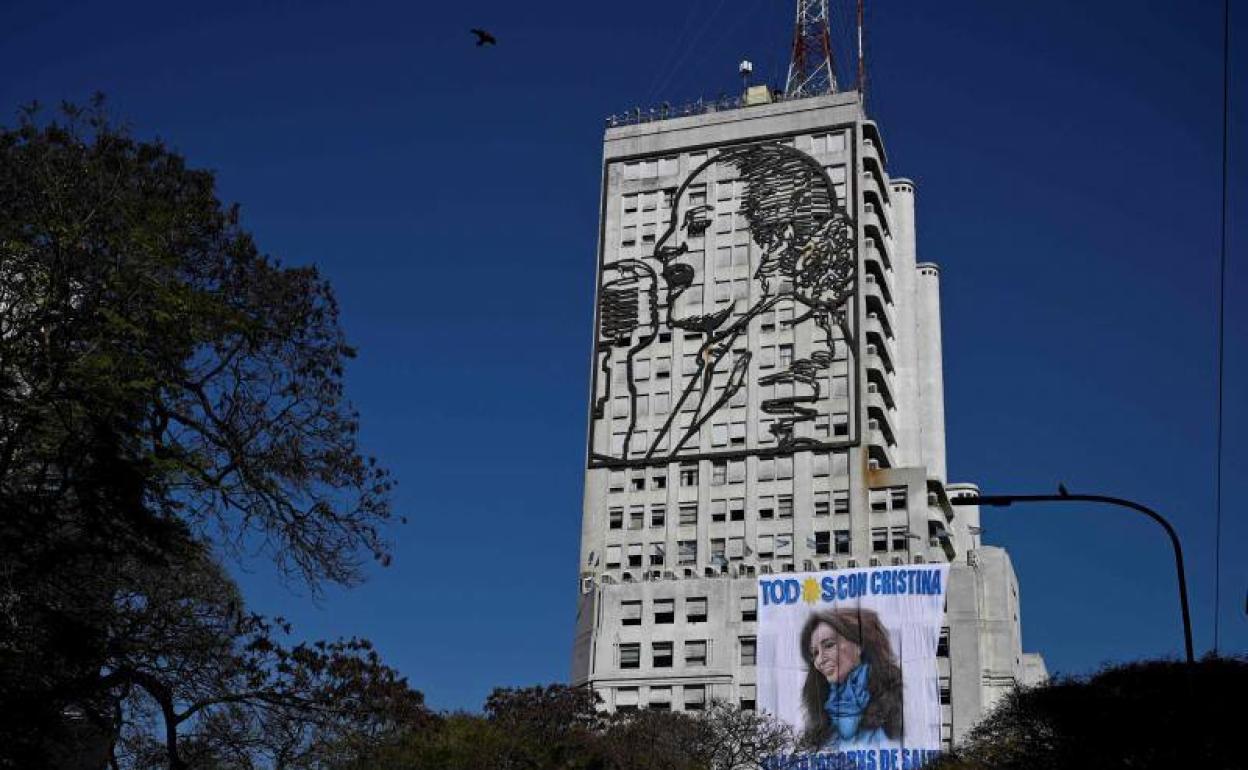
(628, 322)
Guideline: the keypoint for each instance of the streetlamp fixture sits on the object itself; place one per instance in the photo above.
(1001, 501)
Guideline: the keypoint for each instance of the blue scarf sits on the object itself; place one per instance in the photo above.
(847, 701)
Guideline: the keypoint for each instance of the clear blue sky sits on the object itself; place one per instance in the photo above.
(1067, 156)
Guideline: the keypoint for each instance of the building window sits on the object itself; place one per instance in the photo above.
(823, 504)
(784, 545)
(689, 475)
(616, 483)
(656, 554)
(688, 514)
(736, 548)
(841, 539)
(786, 355)
(687, 552)
(879, 539)
(634, 554)
(695, 697)
(664, 611)
(736, 433)
(615, 518)
(942, 645)
(840, 501)
(661, 654)
(736, 509)
(749, 609)
(766, 507)
(625, 699)
(719, 473)
(630, 655)
(630, 203)
(897, 498)
(719, 510)
(659, 480)
(823, 543)
(695, 609)
(660, 699)
(945, 693)
(766, 546)
(749, 650)
(614, 554)
(630, 613)
(695, 653)
(629, 237)
(658, 515)
(748, 698)
(784, 468)
(719, 551)
(784, 506)
(899, 538)
(636, 516)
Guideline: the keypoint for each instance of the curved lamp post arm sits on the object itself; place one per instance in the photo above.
(1002, 501)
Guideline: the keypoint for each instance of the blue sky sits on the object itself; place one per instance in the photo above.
(1067, 156)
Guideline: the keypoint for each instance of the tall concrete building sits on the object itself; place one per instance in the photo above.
(767, 397)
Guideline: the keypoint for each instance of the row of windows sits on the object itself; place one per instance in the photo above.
(659, 698)
(732, 472)
(726, 509)
(722, 550)
(696, 653)
(665, 610)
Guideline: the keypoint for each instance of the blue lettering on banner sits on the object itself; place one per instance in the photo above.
(780, 591)
(859, 759)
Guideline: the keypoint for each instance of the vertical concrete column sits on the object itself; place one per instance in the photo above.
(931, 377)
(906, 388)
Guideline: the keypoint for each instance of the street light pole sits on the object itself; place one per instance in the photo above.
(1002, 501)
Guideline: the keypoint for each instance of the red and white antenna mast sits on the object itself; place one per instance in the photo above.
(811, 68)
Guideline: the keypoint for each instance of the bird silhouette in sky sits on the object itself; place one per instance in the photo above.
(483, 37)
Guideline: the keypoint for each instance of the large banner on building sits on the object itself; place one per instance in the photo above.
(847, 658)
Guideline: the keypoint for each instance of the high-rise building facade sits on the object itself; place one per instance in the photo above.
(766, 397)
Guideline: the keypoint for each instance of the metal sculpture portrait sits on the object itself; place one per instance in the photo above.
(803, 262)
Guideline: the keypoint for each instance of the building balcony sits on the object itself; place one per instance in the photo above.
(874, 302)
(877, 383)
(882, 347)
(872, 225)
(871, 133)
(879, 455)
(875, 248)
(877, 324)
(876, 201)
(875, 275)
(880, 425)
(872, 166)
(876, 400)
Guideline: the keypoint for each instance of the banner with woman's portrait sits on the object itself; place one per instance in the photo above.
(847, 658)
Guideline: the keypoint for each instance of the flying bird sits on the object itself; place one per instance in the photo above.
(483, 37)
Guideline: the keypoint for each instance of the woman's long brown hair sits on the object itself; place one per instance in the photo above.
(863, 628)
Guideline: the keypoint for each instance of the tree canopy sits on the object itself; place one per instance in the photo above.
(169, 396)
(1151, 714)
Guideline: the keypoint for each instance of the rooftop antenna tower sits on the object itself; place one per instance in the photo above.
(812, 67)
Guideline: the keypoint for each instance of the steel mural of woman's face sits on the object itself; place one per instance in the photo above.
(803, 266)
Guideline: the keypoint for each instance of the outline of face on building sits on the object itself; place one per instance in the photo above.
(802, 270)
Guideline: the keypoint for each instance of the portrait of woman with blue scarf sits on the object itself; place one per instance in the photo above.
(852, 695)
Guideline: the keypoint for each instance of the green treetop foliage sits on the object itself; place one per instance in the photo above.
(139, 322)
(168, 395)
